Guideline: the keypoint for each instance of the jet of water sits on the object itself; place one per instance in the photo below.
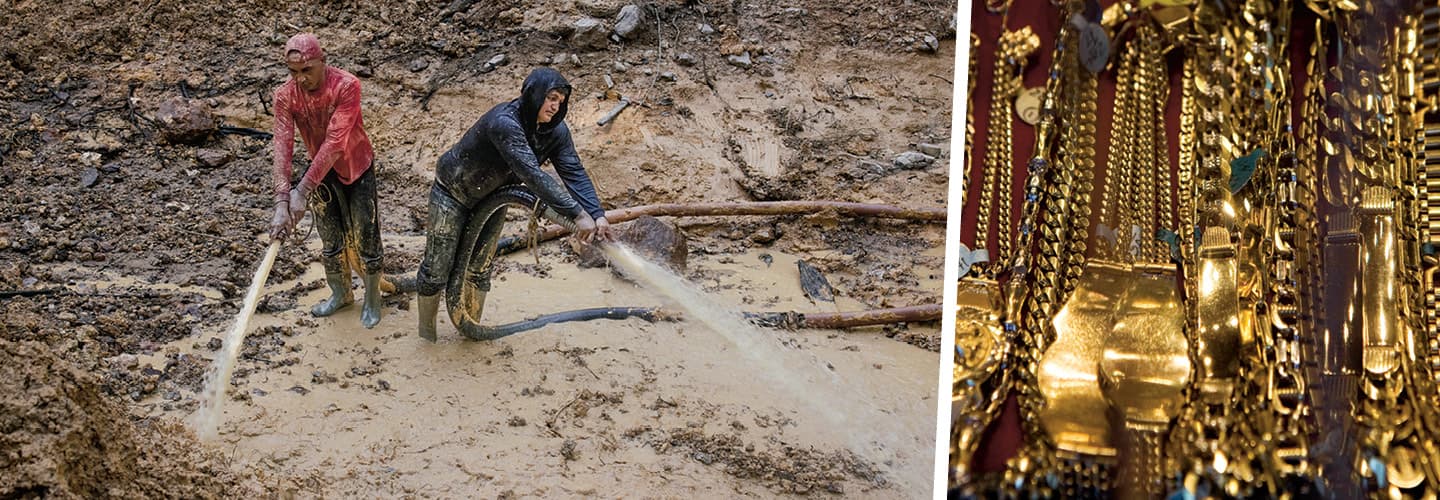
(207, 417)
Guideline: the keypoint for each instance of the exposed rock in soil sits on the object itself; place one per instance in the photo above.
(590, 33)
(185, 121)
(627, 24)
(213, 158)
(654, 240)
(741, 60)
(911, 160)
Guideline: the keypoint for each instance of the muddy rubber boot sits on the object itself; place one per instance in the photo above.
(429, 305)
(370, 311)
(339, 295)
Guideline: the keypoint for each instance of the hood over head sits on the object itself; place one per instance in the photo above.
(532, 95)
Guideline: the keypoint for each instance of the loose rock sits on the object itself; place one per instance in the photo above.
(88, 177)
(185, 121)
(418, 65)
(930, 43)
(935, 150)
(564, 58)
(213, 158)
(686, 59)
(741, 60)
(628, 22)
(495, 61)
(590, 33)
(655, 240)
(911, 160)
(275, 304)
(764, 235)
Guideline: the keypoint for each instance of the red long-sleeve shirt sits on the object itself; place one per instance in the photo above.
(330, 125)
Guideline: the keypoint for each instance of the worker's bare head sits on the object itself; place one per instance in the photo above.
(305, 60)
(553, 99)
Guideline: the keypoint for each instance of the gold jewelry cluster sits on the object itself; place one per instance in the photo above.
(1256, 318)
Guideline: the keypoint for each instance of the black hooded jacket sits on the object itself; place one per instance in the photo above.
(507, 145)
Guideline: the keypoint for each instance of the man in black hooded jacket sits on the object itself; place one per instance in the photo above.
(507, 145)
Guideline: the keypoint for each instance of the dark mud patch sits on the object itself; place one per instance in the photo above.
(789, 469)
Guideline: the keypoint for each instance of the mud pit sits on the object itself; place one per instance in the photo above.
(148, 252)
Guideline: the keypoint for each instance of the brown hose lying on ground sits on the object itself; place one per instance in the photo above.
(511, 244)
(793, 320)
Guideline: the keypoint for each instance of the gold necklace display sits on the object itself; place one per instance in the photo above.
(1258, 320)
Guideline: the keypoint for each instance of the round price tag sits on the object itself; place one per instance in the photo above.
(1027, 104)
(1094, 47)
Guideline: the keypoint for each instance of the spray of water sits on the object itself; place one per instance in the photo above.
(803, 377)
(207, 417)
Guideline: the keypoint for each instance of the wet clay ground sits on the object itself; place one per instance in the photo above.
(124, 258)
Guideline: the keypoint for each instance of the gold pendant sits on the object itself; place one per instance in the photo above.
(979, 340)
(1146, 362)
(1144, 370)
(1075, 410)
(1380, 296)
(980, 349)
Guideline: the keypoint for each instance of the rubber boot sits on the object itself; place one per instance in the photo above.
(370, 310)
(339, 294)
(429, 305)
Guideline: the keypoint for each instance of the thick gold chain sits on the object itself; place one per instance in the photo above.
(1010, 54)
(1201, 442)
(970, 109)
(1032, 294)
(1428, 182)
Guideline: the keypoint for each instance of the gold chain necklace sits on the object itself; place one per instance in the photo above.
(980, 380)
(1043, 276)
(1010, 55)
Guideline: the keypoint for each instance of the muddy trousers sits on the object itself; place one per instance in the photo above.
(348, 215)
(447, 221)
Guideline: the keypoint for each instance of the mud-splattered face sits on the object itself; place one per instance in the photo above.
(553, 100)
(307, 73)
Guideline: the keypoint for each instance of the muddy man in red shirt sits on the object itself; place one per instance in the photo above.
(323, 103)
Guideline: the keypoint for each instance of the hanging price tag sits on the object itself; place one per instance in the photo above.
(966, 259)
(1027, 104)
(1172, 239)
(1243, 168)
(1105, 234)
(1136, 233)
(1094, 44)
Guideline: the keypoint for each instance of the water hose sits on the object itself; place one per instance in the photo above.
(465, 292)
